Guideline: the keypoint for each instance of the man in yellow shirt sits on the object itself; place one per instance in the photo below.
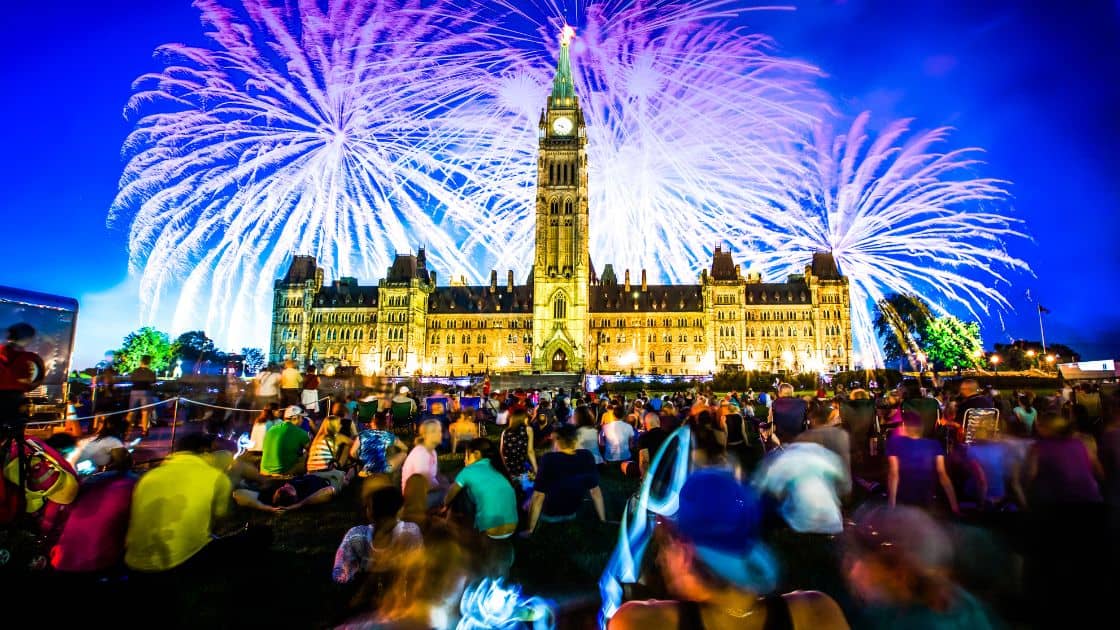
(291, 382)
(175, 507)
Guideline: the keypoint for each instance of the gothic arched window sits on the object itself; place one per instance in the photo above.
(559, 308)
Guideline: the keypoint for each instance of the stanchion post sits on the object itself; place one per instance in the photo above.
(174, 421)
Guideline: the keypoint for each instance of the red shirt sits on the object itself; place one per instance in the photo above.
(93, 537)
(18, 368)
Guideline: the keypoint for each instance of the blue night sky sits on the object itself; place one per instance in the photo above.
(1033, 83)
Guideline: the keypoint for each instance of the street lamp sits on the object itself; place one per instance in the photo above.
(995, 359)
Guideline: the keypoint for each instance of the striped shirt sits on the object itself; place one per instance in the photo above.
(320, 456)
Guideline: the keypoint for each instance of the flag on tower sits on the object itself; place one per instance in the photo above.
(1043, 309)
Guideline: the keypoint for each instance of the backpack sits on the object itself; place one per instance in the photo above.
(49, 477)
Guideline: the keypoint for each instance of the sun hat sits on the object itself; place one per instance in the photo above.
(294, 411)
(722, 519)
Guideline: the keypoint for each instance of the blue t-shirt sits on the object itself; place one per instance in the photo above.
(373, 450)
(494, 501)
(992, 457)
(917, 468)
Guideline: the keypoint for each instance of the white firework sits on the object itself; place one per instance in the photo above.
(314, 127)
(899, 217)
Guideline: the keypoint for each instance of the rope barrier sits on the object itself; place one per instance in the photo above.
(101, 415)
(155, 404)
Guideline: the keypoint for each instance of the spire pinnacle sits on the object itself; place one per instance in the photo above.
(563, 88)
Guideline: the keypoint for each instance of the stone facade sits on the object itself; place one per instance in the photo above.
(566, 318)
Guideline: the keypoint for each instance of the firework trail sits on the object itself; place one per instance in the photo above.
(305, 127)
(687, 116)
(899, 217)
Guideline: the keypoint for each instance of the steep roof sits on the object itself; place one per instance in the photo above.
(661, 298)
(302, 269)
(480, 299)
(824, 266)
(723, 265)
(407, 267)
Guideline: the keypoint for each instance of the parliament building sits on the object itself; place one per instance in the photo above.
(566, 317)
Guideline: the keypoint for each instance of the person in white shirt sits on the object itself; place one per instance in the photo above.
(617, 436)
(268, 387)
(103, 449)
(424, 461)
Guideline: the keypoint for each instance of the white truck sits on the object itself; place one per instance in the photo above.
(55, 318)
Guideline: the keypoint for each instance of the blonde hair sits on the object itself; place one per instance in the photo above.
(859, 394)
(329, 428)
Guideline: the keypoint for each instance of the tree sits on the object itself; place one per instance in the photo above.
(900, 323)
(194, 346)
(950, 343)
(254, 360)
(146, 341)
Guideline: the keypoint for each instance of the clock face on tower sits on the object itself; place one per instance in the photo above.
(562, 126)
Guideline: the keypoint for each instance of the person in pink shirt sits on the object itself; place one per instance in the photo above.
(93, 537)
(423, 460)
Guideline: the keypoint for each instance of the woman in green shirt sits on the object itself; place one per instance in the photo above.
(488, 489)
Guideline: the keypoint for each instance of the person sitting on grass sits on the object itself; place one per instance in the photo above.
(713, 562)
(292, 494)
(566, 475)
(175, 507)
(648, 444)
(369, 548)
(92, 538)
(787, 414)
(898, 567)
(916, 467)
(330, 450)
(268, 418)
(516, 447)
(587, 436)
(489, 490)
(284, 448)
(104, 450)
(463, 430)
(423, 460)
(616, 436)
(371, 449)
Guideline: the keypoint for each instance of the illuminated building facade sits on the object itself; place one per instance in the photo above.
(566, 318)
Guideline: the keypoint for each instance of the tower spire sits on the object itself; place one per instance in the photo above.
(563, 88)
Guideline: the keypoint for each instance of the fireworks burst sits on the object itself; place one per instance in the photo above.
(899, 218)
(686, 114)
(303, 128)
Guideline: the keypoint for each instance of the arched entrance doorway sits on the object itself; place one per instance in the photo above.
(560, 361)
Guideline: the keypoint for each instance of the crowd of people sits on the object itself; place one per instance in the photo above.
(877, 483)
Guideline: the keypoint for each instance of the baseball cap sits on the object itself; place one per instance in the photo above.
(294, 411)
(722, 519)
